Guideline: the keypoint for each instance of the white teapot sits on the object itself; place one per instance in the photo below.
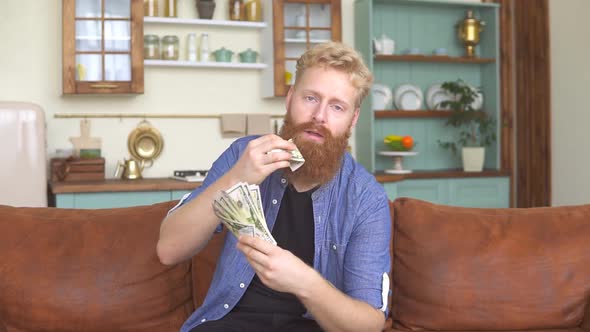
(384, 45)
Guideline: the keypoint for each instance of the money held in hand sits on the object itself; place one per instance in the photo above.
(240, 210)
(296, 160)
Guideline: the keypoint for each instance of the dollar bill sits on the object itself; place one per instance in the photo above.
(240, 209)
(296, 160)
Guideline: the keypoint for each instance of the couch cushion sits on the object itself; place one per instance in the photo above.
(89, 270)
(489, 269)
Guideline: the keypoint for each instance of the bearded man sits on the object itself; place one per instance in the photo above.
(330, 218)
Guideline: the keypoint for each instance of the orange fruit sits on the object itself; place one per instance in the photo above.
(407, 142)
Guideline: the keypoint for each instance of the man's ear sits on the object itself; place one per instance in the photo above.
(355, 117)
(289, 96)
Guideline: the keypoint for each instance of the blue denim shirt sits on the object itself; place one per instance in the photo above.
(352, 233)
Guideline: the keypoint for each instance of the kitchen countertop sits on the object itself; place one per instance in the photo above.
(161, 184)
(117, 185)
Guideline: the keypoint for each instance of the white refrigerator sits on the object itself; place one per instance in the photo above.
(23, 162)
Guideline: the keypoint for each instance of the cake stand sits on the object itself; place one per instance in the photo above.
(398, 158)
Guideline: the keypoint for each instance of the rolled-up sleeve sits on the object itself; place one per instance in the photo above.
(367, 264)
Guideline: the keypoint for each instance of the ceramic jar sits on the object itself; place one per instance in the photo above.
(248, 56)
(206, 8)
(223, 55)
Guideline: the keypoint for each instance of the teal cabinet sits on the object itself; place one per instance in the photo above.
(425, 25)
(469, 192)
(178, 194)
(114, 199)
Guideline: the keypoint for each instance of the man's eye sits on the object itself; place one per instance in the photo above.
(338, 108)
(310, 98)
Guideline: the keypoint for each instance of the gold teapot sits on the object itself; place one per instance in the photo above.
(468, 30)
(131, 169)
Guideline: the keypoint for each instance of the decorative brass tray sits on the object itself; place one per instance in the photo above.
(145, 142)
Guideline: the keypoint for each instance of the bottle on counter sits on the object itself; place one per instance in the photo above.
(204, 49)
(191, 47)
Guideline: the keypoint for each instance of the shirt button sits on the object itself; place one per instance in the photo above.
(283, 181)
(274, 201)
(203, 320)
(242, 285)
(334, 246)
(226, 306)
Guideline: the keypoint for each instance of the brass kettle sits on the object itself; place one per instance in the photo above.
(131, 169)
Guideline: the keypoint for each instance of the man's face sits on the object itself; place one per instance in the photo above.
(320, 116)
(326, 97)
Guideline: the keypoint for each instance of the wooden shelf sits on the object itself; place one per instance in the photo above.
(439, 174)
(208, 64)
(196, 21)
(432, 58)
(385, 114)
(118, 185)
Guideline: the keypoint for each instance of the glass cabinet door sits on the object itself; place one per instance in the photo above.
(102, 46)
(298, 25)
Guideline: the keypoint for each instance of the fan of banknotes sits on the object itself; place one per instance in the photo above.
(240, 207)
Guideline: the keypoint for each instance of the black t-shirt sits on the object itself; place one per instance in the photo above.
(293, 231)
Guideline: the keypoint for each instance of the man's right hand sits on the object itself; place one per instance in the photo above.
(256, 163)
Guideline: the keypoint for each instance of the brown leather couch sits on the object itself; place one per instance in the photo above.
(454, 269)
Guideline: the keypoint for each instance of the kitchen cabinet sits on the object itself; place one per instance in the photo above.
(424, 26)
(102, 46)
(293, 27)
(484, 192)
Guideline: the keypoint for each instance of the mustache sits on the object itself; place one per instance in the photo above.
(310, 125)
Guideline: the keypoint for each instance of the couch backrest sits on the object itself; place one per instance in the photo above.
(89, 270)
(489, 269)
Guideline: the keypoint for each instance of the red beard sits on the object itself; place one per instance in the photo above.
(322, 160)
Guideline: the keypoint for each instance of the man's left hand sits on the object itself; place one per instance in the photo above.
(277, 268)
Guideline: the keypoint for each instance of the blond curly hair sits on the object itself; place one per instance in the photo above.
(340, 57)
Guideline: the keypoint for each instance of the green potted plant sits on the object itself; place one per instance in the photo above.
(476, 128)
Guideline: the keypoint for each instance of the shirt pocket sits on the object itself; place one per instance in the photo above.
(333, 253)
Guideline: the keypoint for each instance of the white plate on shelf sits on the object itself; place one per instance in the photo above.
(436, 95)
(382, 97)
(408, 97)
(398, 153)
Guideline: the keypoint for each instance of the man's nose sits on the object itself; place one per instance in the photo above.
(319, 114)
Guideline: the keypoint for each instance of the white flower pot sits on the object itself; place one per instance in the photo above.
(473, 159)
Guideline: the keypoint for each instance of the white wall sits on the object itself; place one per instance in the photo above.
(570, 103)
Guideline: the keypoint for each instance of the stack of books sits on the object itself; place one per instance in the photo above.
(190, 175)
